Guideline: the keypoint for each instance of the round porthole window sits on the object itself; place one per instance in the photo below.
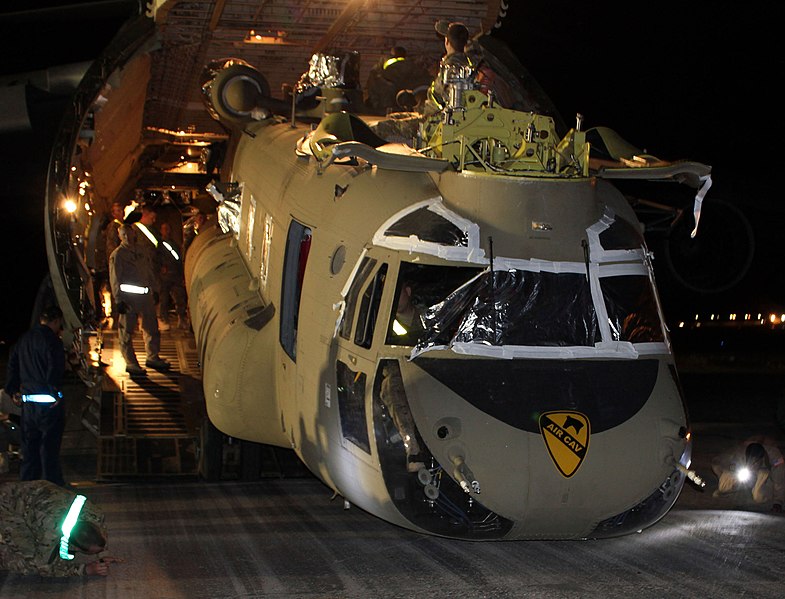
(338, 259)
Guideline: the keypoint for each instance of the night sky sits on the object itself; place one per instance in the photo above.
(684, 80)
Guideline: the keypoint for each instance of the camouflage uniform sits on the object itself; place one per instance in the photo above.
(31, 516)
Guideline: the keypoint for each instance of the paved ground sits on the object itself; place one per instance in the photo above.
(289, 538)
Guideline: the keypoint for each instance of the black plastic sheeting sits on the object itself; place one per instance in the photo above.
(515, 307)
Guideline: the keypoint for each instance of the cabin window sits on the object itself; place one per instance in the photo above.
(266, 242)
(250, 226)
(298, 245)
(366, 268)
(369, 309)
(351, 406)
(632, 309)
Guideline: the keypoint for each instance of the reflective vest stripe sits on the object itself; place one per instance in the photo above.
(171, 250)
(135, 289)
(39, 398)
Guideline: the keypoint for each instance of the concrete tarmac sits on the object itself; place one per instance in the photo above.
(290, 538)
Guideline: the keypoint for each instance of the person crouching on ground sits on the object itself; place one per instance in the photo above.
(757, 467)
(48, 530)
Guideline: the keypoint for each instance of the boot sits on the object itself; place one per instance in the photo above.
(158, 363)
(133, 369)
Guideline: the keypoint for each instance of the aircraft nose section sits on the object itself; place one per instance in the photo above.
(549, 448)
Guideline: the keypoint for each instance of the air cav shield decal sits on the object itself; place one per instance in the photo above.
(566, 436)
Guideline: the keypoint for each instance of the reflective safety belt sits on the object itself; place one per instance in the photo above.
(135, 289)
(41, 398)
(171, 250)
(148, 234)
(391, 61)
(68, 525)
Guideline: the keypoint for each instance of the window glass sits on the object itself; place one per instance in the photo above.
(251, 222)
(366, 267)
(266, 242)
(621, 235)
(517, 307)
(369, 309)
(632, 309)
(418, 288)
(514, 307)
(298, 245)
(351, 405)
(426, 225)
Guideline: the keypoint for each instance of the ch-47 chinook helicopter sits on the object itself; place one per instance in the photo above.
(452, 319)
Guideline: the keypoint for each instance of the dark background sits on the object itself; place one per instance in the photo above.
(683, 80)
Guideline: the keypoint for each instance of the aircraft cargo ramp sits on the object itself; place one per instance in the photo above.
(155, 425)
(149, 424)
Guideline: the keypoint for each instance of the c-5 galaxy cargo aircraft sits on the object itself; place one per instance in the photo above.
(450, 316)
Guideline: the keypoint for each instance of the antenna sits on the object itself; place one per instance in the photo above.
(493, 286)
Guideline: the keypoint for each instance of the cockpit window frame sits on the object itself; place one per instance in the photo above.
(470, 252)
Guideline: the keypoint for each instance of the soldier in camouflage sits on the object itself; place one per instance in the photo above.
(32, 514)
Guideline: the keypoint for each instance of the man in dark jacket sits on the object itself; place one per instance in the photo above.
(35, 372)
(172, 279)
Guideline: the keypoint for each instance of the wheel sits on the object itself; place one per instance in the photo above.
(235, 91)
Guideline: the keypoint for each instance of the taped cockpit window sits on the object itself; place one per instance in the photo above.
(540, 309)
(513, 308)
(632, 309)
(428, 227)
(614, 239)
(517, 307)
(420, 286)
(621, 235)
